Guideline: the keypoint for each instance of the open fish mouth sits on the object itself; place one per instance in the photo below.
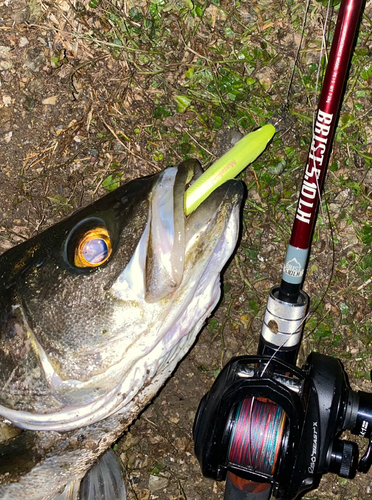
(106, 340)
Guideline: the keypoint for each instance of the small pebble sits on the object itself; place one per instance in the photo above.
(157, 483)
(7, 100)
(52, 101)
(8, 137)
(23, 41)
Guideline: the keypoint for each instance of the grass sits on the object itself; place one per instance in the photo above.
(212, 89)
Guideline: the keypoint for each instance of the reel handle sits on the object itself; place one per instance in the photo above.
(366, 461)
(361, 425)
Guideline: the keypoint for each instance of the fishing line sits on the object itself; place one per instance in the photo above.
(298, 51)
(278, 117)
(237, 447)
(257, 433)
(260, 433)
(323, 51)
(324, 216)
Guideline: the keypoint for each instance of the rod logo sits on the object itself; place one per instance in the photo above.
(293, 268)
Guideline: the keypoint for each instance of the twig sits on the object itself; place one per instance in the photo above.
(126, 147)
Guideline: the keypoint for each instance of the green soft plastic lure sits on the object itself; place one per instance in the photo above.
(228, 166)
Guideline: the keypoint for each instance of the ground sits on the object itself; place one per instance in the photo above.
(97, 93)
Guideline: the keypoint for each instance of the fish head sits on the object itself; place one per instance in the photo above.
(96, 311)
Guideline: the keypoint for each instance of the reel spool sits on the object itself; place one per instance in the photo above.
(261, 411)
(249, 424)
(256, 435)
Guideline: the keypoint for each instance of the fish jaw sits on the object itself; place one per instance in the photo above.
(160, 326)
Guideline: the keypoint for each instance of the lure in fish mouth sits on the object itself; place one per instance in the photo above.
(96, 311)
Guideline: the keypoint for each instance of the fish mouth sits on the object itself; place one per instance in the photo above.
(172, 234)
(173, 279)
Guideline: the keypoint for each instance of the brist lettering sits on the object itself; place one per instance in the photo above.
(316, 156)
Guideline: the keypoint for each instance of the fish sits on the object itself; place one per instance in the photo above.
(95, 314)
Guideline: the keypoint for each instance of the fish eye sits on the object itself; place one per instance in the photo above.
(93, 248)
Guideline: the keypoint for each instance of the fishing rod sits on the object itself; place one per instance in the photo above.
(290, 292)
(266, 426)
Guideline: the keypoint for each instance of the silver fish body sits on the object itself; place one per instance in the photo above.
(95, 313)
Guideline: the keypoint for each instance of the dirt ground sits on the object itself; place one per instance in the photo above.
(75, 116)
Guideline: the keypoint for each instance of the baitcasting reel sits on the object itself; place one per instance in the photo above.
(269, 422)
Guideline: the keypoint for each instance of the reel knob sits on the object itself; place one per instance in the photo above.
(344, 458)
